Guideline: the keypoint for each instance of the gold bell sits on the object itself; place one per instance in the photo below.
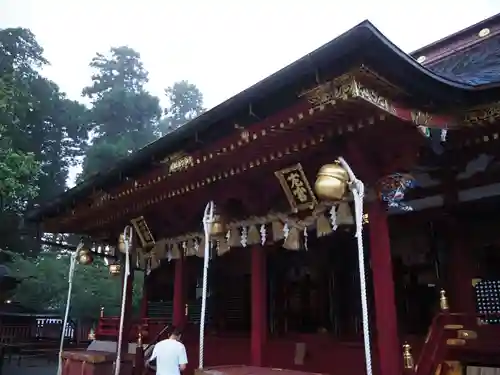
(114, 269)
(331, 183)
(408, 362)
(84, 257)
(218, 226)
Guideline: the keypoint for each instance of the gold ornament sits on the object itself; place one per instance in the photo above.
(84, 257)
(114, 269)
(331, 183)
(408, 357)
(218, 226)
(234, 238)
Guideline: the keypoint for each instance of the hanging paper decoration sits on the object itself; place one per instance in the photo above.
(392, 189)
(244, 234)
(263, 234)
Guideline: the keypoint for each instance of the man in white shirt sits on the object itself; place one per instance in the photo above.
(170, 355)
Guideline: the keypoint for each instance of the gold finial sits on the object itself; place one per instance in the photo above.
(102, 312)
(443, 301)
(407, 357)
(139, 337)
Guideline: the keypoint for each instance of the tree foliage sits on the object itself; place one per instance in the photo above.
(43, 134)
(45, 278)
(124, 116)
(185, 103)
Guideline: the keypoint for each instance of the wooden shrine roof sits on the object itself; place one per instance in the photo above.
(361, 47)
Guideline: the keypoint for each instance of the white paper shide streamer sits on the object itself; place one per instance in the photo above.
(208, 219)
(127, 239)
(71, 273)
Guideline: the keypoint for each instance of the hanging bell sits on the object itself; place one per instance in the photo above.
(331, 183)
(84, 257)
(218, 227)
(115, 269)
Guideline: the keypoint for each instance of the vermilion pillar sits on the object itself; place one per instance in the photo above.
(259, 305)
(179, 293)
(386, 329)
(460, 268)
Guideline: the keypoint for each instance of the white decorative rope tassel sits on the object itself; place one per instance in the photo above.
(358, 191)
(71, 273)
(208, 219)
(127, 237)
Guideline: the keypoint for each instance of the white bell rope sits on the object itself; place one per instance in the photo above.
(127, 239)
(358, 191)
(71, 273)
(208, 219)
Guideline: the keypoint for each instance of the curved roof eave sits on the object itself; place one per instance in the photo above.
(363, 42)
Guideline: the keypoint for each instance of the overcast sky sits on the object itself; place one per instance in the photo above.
(223, 46)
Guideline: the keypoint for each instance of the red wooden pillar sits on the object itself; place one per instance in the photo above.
(386, 324)
(259, 305)
(178, 318)
(460, 268)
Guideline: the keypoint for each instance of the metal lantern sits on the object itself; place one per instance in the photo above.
(84, 256)
(218, 226)
(331, 183)
(114, 269)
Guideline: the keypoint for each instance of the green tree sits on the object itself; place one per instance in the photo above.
(42, 134)
(44, 285)
(124, 116)
(185, 103)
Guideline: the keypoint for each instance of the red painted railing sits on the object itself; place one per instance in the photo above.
(108, 327)
(444, 327)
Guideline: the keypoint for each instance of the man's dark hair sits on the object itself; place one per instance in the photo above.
(176, 331)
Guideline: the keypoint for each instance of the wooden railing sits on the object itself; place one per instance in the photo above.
(108, 327)
(450, 336)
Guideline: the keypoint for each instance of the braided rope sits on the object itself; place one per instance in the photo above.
(208, 219)
(71, 274)
(358, 191)
(127, 237)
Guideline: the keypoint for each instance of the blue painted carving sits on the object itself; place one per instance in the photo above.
(476, 66)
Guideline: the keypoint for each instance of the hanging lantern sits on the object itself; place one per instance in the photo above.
(218, 226)
(114, 269)
(331, 183)
(84, 256)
